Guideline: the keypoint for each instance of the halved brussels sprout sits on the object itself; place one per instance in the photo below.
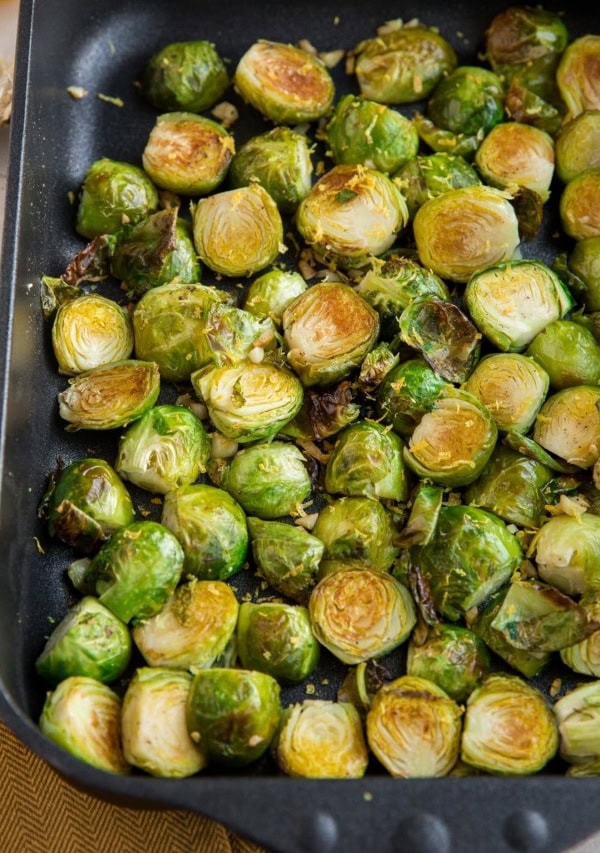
(271, 293)
(407, 393)
(584, 262)
(249, 401)
(357, 532)
(568, 352)
(351, 213)
(110, 396)
(375, 366)
(512, 387)
(577, 716)
(321, 739)
(169, 325)
(426, 502)
(193, 628)
(286, 556)
(280, 161)
(286, 84)
(85, 503)
(277, 639)
(577, 75)
(471, 555)
(367, 460)
(452, 442)
(88, 641)
(324, 412)
(238, 232)
(579, 208)
(512, 302)
(443, 335)
(451, 656)
(584, 657)
(188, 153)
(368, 132)
(568, 424)
(430, 175)
(184, 75)
(90, 331)
(403, 66)
(470, 99)
(413, 728)
(155, 251)
(328, 330)
(211, 527)
(566, 550)
(515, 155)
(361, 683)
(137, 570)
(360, 614)
(113, 194)
(511, 486)
(233, 714)
(166, 448)
(509, 729)
(83, 716)
(577, 146)
(466, 230)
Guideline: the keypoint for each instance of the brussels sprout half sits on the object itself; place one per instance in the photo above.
(451, 656)
(566, 551)
(520, 36)
(577, 146)
(577, 716)
(568, 352)
(287, 557)
(277, 639)
(577, 75)
(568, 424)
(516, 155)
(184, 75)
(579, 208)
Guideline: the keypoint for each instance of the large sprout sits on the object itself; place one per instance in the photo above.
(466, 230)
(153, 724)
(515, 155)
(286, 84)
(184, 75)
(568, 352)
(568, 425)
(193, 628)
(509, 729)
(451, 656)
(577, 146)
(360, 614)
(579, 205)
(413, 728)
(351, 213)
(577, 716)
(321, 739)
(577, 75)
(286, 556)
(328, 330)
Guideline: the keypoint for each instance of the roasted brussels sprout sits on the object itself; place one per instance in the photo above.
(358, 532)
(577, 146)
(470, 100)
(89, 641)
(452, 442)
(280, 161)
(568, 425)
(368, 132)
(137, 570)
(113, 194)
(83, 716)
(367, 460)
(466, 230)
(568, 352)
(90, 331)
(522, 36)
(233, 714)
(211, 527)
(584, 261)
(287, 557)
(426, 502)
(328, 330)
(451, 656)
(153, 724)
(360, 614)
(155, 251)
(351, 213)
(277, 639)
(413, 728)
(508, 729)
(249, 401)
(85, 503)
(584, 656)
(324, 412)
(407, 393)
(184, 75)
(110, 396)
(566, 551)
(166, 448)
(512, 302)
(577, 75)
(404, 65)
(238, 232)
(430, 175)
(511, 386)
(188, 153)
(579, 208)
(375, 366)
(321, 739)
(516, 155)
(193, 628)
(577, 716)
(271, 293)
(471, 555)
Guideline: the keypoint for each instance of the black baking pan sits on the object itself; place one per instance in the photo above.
(102, 47)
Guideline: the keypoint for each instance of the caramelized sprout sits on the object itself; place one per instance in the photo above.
(277, 639)
(185, 75)
(579, 210)
(566, 551)
(451, 656)
(577, 146)
(578, 76)
(516, 155)
(568, 425)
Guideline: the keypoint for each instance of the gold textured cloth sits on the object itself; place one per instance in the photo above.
(42, 813)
